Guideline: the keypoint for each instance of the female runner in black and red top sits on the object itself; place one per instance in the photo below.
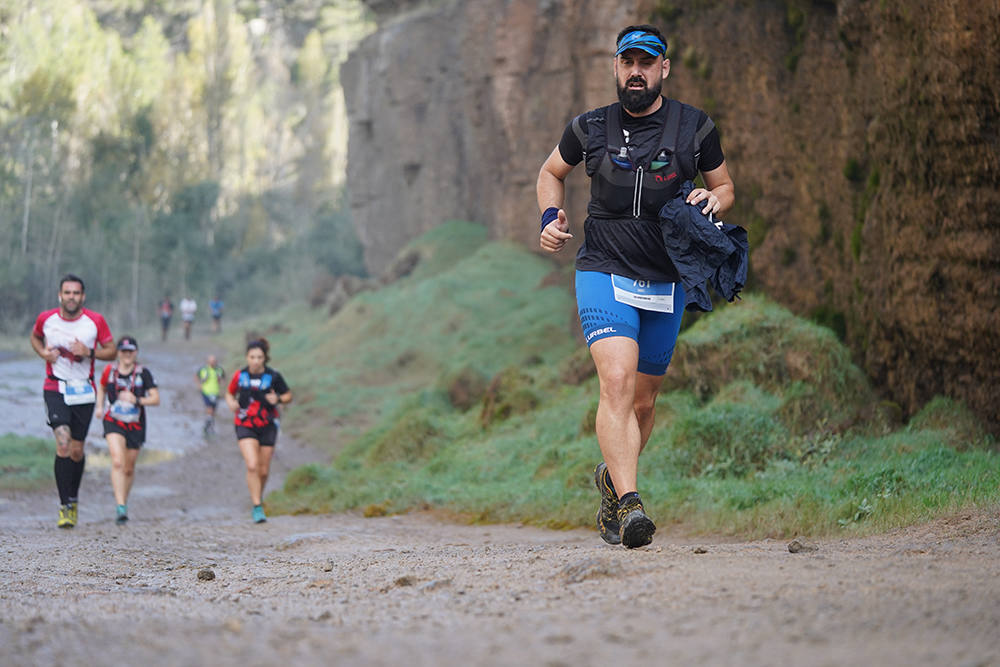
(129, 388)
(254, 395)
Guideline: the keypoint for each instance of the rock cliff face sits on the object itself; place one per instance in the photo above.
(863, 137)
(454, 105)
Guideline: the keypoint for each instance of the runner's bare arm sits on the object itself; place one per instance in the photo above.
(152, 397)
(106, 351)
(720, 194)
(99, 403)
(47, 353)
(550, 190)
(274, 398)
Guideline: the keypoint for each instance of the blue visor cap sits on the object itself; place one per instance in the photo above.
(647, 41)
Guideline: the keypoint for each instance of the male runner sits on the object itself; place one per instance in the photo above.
(637, 153)
(188, 308)
(209, 377)
(215, 307)
(166, 310)
(69, 338)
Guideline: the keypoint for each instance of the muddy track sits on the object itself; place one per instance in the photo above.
(190, 580)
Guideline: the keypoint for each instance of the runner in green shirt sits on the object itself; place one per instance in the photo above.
(209, 378)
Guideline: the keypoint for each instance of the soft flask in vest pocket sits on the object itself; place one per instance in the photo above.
(622, 185)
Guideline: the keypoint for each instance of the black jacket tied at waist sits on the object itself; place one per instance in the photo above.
(703, 253)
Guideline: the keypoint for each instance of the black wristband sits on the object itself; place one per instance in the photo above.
(550, 214)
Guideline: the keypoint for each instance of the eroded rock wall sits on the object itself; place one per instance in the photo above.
(454, 105)
(862, 137)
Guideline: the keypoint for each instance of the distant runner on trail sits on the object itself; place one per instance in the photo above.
(640, 153)
(188, 308)
(215, 307)
(166, 310)
(129, 388)
(69, 338)
(254, 394)
(209, 378)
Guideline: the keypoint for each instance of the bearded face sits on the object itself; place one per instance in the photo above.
(71, 297)
(636, 94)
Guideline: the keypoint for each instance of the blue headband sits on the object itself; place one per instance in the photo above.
(647, 41)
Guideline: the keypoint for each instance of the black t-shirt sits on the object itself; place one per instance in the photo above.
(627, 246)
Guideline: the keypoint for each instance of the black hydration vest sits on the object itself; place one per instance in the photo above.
(624, 182)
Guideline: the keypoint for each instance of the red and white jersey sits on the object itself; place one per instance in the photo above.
(89, 328)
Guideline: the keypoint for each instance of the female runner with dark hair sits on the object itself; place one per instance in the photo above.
(253, 395)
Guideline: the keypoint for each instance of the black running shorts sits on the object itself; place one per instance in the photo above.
(265, 435)
(134, 438)
(77, 417)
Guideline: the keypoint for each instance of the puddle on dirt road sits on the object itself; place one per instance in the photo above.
(174, 426)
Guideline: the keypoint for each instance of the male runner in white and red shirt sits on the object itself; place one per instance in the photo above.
(69, 338)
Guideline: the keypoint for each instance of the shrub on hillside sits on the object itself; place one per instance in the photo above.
(465, 387)
(762, 343)
(727, 440)
(963, 430)
(509, 394)
(413, 436)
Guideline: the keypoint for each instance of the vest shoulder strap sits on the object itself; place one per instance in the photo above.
(672, 127)
(136, 371)
(596, 144)
(613, 122)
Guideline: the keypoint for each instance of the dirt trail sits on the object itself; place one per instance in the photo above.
(341, 589)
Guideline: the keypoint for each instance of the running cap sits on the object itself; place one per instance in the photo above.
(127, 343)
(640, 39)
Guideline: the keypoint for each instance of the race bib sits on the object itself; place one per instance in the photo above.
(125, 412)
(644, 294)
(77, 392)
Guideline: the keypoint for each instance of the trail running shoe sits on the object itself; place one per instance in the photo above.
(636, 528)
(72, 514)
(607, 513)
(121, 515)
(64, 517)
(258, 514)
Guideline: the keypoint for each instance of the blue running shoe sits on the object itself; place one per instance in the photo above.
(258, 514)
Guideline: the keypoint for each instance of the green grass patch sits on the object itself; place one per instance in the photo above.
(25, 462)
(467, 392)
(468, 310)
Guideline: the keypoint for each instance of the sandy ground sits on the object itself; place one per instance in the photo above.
(190, 580)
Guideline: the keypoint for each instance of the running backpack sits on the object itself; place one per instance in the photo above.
(622, 186)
